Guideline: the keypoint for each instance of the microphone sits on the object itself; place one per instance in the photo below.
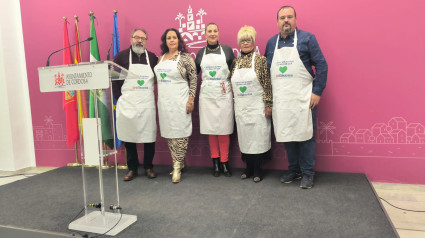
(48, 59)
(115, 207)
(95, 205)
(110, 46)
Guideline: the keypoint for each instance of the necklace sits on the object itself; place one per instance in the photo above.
(218, 47)
(170, 55)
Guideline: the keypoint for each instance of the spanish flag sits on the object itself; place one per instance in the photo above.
(69, 102)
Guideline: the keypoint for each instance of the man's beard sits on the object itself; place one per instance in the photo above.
(287, 30)
(138, 48)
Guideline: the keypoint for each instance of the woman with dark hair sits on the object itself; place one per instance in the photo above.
(177, 80)
(216, 116)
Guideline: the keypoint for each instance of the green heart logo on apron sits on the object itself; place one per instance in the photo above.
(243, 89)
(212, 73)
(163, 75)
(283, 69)
(141, 82)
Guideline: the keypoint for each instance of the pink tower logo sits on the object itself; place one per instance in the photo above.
(192, 27)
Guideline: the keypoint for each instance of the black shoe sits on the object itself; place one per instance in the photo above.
(289, 177)
(307, 181)
(216, 167)
(226, 169)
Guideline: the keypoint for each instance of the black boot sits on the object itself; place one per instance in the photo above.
(216, 167)
(226, 169)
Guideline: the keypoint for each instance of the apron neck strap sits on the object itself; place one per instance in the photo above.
(295, 39)
(130, 61)
(130, 58)
(178, 57)
(147, 57)
(252, 63)
(221, 49)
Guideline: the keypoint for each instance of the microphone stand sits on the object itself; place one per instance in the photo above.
(48, 59)
(109, 50)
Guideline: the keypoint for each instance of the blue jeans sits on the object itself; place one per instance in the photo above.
(301, 155)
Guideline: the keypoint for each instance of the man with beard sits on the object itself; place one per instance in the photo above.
(136, 113)
(291, 55)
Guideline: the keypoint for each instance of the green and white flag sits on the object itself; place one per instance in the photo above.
(102, 98)
(94, 48)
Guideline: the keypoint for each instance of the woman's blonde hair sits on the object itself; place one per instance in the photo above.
(247, 32)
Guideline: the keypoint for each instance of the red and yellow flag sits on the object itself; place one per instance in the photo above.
(69, 103)
(81, 95)
(77, 49)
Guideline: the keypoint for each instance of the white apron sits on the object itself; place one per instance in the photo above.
(136, 114)
(292, 87)
(254, 129)
(215, 98)
(173, 94)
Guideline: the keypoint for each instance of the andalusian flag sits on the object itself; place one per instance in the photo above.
(115, 50)
(101, 94)
(69, 103)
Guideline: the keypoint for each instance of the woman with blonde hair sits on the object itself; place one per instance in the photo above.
(253, 102)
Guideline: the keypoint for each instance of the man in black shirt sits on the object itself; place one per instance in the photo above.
(136, 113)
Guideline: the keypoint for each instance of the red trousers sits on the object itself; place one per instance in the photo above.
(219, 146)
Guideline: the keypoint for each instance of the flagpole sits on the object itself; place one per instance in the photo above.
(78, 34)
(66, 42)
(118, 143)
(77, 163)
(99, 144)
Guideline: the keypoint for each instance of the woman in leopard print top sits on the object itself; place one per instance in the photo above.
(177, 80)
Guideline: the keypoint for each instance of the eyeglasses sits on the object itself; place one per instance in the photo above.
(139, 38)
(246, 41)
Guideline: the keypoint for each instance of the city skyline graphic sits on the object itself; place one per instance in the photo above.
(394, 138)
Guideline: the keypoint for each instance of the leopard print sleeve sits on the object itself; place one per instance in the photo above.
(187, 68)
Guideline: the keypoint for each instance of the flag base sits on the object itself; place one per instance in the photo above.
(122, 167)
(74, 165)
(105, 167)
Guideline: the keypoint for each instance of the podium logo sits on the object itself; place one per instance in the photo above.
(59, 80)
(192, 28)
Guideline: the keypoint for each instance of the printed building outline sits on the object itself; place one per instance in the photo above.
(193, 28)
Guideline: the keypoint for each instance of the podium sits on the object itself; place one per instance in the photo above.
(92, 82)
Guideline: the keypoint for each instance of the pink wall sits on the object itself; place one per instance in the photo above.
(371, 117)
